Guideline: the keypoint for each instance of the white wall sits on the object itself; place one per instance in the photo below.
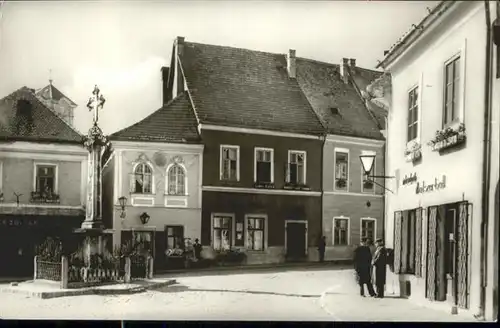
(463, 33)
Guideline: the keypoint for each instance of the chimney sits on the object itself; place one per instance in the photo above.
(352, 62)
(164, 77)
(179, 51)
(291, 65)
(343, 70)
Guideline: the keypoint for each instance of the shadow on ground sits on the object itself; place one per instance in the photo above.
(230, 271)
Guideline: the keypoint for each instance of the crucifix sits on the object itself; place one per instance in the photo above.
(96, 102)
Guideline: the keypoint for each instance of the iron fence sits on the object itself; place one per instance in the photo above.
(48, 270)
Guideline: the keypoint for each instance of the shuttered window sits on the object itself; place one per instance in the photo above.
(408, 241)
(418, 246)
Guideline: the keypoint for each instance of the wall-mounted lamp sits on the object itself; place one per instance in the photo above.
(123, 202)
(367, 161)
(144, 218)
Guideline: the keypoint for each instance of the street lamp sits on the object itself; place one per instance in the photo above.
(144, 218)
(123, 202)
(367, 162)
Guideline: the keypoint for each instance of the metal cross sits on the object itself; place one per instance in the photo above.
(96, 102)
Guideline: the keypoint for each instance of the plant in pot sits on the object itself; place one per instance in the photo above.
(341, 183)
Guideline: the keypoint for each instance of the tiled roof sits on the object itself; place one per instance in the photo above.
(404, 40)
(245, 88)
(56, 94)
(34, 122)
(340, 106)
(174, 122)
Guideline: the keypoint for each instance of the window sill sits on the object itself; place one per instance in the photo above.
(179, 201)
(142, 200)
(264, 185)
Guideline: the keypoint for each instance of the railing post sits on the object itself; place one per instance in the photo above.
(150, 268)
(64, 272)
(127, 269)
(35, 260)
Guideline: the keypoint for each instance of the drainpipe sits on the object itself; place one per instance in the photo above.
(486, 160)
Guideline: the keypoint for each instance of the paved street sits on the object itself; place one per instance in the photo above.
(323, 294)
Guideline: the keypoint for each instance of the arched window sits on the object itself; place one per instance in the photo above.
(176, 180)
(142, 180)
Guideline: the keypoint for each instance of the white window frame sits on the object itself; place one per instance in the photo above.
(374, 227)
(299, 152)
(233, 227)
(185, 179)
(221, 164)
(374, 170)
(153, 189)
(417, 105)
(56, 174)
(461, 87)
(348, 230)
(245, 228)
(341, 150)
(256, 149)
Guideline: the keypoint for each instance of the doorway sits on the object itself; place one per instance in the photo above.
(447, 255)
(296, 240)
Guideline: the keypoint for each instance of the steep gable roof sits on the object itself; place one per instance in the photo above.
(246, 88)
(174, 122)
(50, 91)
(339, 105)
(35, 123)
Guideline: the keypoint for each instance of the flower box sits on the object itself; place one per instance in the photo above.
(448, 138)
(341, 184)
(449, 142)
(296, 186)
(264, 185)
(414, 155)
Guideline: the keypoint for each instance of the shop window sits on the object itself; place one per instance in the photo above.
(340, 231)
(369, 229)
(175, 237)
(176, 180)
(142, 179)
(255, 233)
(222, 232)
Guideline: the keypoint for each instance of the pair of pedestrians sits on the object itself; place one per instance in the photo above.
(364, 263)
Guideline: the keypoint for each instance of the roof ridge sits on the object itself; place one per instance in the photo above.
(165, 106)
(236, 48)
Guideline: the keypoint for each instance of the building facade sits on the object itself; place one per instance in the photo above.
(156, 164)
(435, 150)
(352, 207)
(43, 169)
(57, 102)
(262, 155)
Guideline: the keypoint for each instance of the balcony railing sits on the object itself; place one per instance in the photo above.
(44, 198)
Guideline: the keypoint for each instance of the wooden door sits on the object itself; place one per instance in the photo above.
(431, 254)
(441, 254)
(296, 240)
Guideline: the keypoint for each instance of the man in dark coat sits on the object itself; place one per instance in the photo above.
(380, 263)
(321, 248)
(362, 266)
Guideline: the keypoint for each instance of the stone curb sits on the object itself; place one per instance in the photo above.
(89, 291)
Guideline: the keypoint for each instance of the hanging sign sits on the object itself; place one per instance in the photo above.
(411, 179)
(422, 187)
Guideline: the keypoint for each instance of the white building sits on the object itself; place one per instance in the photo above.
(434, 219)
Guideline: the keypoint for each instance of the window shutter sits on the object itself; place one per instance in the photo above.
(418, 246)
(463, 254)
(397, 242)
(404, 242)
(411, 234)
(431, 254)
